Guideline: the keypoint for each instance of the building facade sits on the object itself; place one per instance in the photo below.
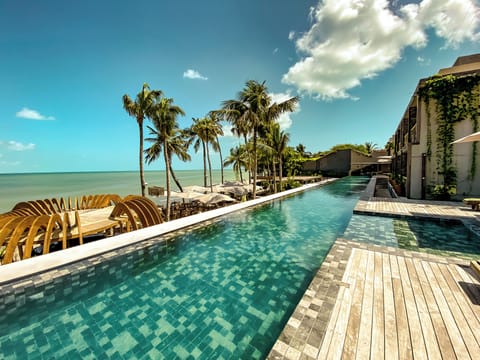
(349, 162)
(443, 108)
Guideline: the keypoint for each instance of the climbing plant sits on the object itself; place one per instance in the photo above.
(456, 99)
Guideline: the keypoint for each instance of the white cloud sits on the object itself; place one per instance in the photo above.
(291, 35)
(422, 61)
(17, 146)
(353, 40)
(285, 120)
(193, 74)
(275, 51)
(30, 114)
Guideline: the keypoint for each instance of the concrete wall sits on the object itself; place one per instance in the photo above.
(336, 163)
(462, 157)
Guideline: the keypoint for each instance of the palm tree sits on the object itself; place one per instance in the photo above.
(301, 149)
(177, 145)
(140, 109)
(205, 131)
(218, 132)
(369, 147)
(253, 109)
(279, 142)
(164, 118)
(238, 158)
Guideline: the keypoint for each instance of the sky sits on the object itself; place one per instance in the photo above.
(65, 65)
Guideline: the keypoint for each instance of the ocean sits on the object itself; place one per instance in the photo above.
(23, 187)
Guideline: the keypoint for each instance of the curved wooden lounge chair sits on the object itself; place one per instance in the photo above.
(122, 213)
(12, 236)
(147, 209)
(25, 232)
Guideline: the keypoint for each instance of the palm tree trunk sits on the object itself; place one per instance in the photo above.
(209, 167)
(221, 159)
(167, 171)
(274, 176)
(241, 177)
(249, 160)
(280, 172)
(204, 165)
(254, 163)
(140, 155)
(175, 177)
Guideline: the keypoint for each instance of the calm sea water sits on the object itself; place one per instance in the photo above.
(20, 187)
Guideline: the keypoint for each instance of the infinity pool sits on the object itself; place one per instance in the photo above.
(224, 290)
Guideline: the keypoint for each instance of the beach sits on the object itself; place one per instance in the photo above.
(23, 187)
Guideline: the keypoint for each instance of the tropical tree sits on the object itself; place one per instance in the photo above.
(164, 117)
(204, 132)
(369, 147)
(279, 141)
(140, 109)
(177, 145)
(238, 158)
(217, 129)
(253, 109)
(301, 149)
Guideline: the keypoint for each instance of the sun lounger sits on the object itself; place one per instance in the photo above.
(473, 202)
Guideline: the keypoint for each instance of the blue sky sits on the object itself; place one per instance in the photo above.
(65, 65)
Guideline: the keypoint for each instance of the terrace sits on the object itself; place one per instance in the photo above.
(370, 300)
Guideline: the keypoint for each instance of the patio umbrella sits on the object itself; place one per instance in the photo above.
(215, 198)
(198, 189)
(187, 195)
(468, 138)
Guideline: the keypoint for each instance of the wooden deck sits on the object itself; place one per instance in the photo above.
(378, 302)
(420, 208)
(398, 307)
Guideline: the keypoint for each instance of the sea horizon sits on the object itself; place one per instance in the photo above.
(17, 187)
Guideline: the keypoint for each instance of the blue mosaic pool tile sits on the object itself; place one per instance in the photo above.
(436, 236)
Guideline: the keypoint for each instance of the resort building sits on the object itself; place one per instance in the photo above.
(349, 162)
(443, 108)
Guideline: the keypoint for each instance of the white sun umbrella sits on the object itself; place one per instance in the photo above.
(214, 198)
(196, 188)
(235, 190)
(468, 138)
(187, 195)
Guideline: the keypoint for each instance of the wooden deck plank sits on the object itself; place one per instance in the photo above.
(418, 343)
(452, 329)
(463, 302)
(472, 287)
(350, 278)
(457, 313)
(329, 332)
(328, 340)
(443, 340)
(378, 321)
(351, 337)
(403, 331)
(365, 331)
(390, 327)
(431, 345)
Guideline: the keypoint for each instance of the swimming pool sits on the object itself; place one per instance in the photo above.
(224, 290)
(446, 237)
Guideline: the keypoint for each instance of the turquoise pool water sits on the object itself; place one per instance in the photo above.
(224, 290)
(439, 236)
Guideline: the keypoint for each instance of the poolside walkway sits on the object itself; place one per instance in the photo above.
(370, 301)
(419, 208)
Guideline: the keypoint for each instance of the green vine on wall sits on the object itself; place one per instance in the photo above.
(455, 100)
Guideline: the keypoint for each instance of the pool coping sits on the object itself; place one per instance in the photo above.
(21, 270)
